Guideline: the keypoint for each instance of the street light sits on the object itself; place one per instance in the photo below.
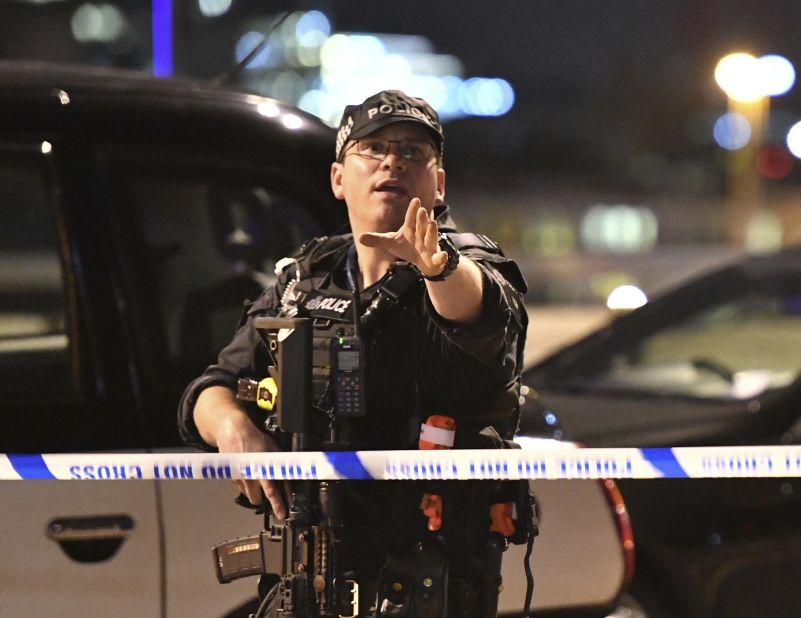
(749, 82)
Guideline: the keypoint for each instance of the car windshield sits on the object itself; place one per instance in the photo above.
(732, 350)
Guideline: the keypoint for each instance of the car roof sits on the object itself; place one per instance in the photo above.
(39, 94)
(750, 268)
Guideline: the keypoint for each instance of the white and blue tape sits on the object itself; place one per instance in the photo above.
(538, 459)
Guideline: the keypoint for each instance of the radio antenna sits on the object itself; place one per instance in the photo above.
(234, 72)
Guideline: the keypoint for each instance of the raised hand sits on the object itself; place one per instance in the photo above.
(417, 241)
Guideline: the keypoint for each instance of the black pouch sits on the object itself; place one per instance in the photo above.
(521, 494)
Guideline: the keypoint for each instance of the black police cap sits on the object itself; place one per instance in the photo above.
(384, 108)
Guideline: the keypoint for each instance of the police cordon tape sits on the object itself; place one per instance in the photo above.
(543, 459)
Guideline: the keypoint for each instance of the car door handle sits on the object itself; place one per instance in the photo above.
(90, 539)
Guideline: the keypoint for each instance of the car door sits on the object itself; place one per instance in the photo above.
(197, 237)
(82, 549)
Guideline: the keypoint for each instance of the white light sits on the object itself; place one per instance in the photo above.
(794, 140)
(620, 228)
(308, 56)
(395, 71)
(268, 109)
(312, 29)
(453, 86)
(213, 8)
(101, 23)
(626, 298)
(430, 88)
(777, 73)
(739, 77)
(312, 102)
(732, 131)
(292, 121)
(47, 147)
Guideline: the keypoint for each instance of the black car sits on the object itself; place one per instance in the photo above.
(136, 216)
(716, 361)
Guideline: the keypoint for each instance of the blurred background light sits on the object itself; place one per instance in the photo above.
(480, 96)
(312, 29)
(619, 229)
(732, 131)
(625, 298)
(794, 140)
(774, 161)
(354, 66)
(213, 8)
(549, 236)
(98, 23)
(738, 75)
(322, 72)
(765, 232)
(247, 43)
(777, 75)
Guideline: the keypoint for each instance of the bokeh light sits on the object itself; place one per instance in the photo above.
(330, 71)
(732, 131)
(98, 23)
(794, 140)
(312, 29)
(213, 8)
(739, 77)
(247, 43)
(774, 161)
(551, 236)
(625, 298)
(764, 233)
(619, 229)
(777, 75)
(480, 96)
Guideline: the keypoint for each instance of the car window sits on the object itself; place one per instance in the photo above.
(733, 350)
(210, 242)
(34, 343)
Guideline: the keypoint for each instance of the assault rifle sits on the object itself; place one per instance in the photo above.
(302, 551)
(300, 558)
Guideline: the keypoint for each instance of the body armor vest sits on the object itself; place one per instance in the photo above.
(332, 310)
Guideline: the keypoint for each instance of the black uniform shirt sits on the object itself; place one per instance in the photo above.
(418, 363)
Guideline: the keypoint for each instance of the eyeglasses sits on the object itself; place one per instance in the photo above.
(378, 149)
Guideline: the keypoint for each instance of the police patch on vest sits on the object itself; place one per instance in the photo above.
(319, 303)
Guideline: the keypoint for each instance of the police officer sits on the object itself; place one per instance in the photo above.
(449, 343)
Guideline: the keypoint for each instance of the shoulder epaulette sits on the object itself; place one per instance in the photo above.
(312, 252)
(480, 246)
(469, 240)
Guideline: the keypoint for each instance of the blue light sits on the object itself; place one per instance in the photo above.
(312, 29)
(550, 418)
(247, 43)
(481, 96)
(732, 131)
(162, 38)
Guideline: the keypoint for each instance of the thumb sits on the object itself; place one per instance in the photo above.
(378, 239)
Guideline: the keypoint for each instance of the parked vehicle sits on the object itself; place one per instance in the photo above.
(135, 216)
(714, 362)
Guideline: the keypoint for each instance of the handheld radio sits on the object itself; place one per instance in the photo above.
(348, 359)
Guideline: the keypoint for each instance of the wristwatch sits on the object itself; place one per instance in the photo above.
(448, 247)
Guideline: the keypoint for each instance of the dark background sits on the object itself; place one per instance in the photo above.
(615, 103)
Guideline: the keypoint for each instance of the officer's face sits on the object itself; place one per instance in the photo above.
(378, 191)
